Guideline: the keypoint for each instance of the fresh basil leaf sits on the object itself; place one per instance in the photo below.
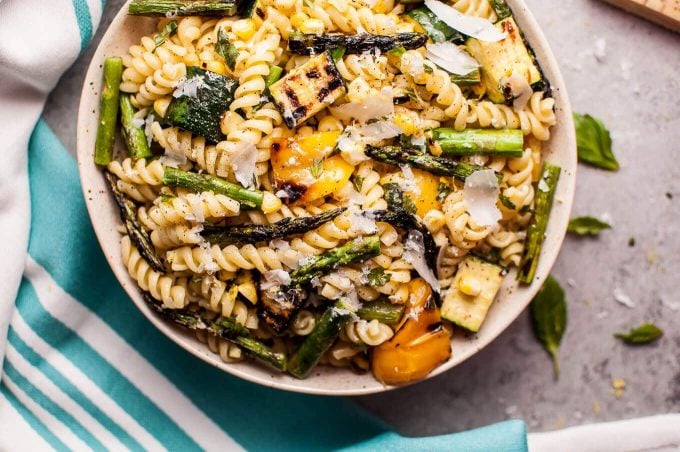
(507, 202)
(644, 334)
(434, 27)
(444, 191)
(549, 318)
(409, 205)
(337, 53)
(317, 168)
(397, 51)
(587, 226)
(167, 31)
(226, 49)
(378, 278)
(594, 143)
(358, 183)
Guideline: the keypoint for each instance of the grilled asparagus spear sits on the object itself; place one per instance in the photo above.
(251, 199)
(169, 8)
(108, 111)
(381, 310)
(138, 236)
(135, 138)
(224, 327)
(320, 339)
(539, 222)
(310, 44)
(280, 304)
(397, 155)
(504, 142)
(253, 233)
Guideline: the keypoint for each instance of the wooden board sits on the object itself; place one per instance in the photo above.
(663, 12)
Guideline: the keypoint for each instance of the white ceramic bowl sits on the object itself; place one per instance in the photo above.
(561, 149)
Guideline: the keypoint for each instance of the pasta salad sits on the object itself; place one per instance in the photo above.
(336, 182)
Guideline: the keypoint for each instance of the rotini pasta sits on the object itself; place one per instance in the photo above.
(358, 120)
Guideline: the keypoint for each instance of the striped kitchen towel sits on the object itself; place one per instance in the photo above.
(83, 369)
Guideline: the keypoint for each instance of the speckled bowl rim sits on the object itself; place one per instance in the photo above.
(561, 150)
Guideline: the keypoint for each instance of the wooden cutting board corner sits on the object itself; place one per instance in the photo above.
(663, 12)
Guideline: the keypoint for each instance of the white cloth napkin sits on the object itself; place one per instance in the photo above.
(654, 433)
(36, 47)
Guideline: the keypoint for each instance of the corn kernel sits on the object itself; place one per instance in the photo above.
(380, 7)
(297, 19)
(160, 106)
(244, 29)
(470, 285)
(314, 26)
(406, 123)
(216, 66)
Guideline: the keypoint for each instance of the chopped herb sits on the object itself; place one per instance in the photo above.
(317, 168)
(337, 53)
(397, 51)
(549, 318)
(631, 242)
(358, 183)
(507, 202)
(644, 334)
(166, 198)
(428, 69)
(594, 143)
(168, 30)
(444, 191)
(587, 226)
(378, 278)
(409, 205)
(526, 209)
(226, 49)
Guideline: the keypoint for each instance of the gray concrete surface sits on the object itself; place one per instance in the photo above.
(634, 87)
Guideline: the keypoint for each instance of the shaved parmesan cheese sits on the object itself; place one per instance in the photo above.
(370, 107)
(208, 264)
(148, 122)
(354, 138)
(543, 186)
(409, 181)
(243, 160)
(414, 254)
(137, 123)
(196, 204)
(475, 27)
(282, 194)
(361, 224)
(189, 88)
(274, 278)
(480, 196)
(451, 58)
(519, 89)
(349, 194)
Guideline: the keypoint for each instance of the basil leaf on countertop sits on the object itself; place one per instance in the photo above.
(644, 334)
(587, 226)
(594, 143)
(549, 318)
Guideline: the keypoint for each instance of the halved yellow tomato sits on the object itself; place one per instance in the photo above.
(420, 345)
(425, 198)
(303, 169)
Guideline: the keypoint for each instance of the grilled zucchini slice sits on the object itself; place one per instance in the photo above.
(200, 107)
(502, 58)
(307, 90)
(473, 290)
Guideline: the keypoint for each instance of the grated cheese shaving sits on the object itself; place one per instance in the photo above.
(414, 254)
(480, 197)
(273, 278)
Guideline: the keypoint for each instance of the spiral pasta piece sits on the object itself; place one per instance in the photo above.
(195, 207)
(139, 172)
(372, 333)
(175, 235)
(303, 324)
(464, 232)
(168, 289)
(223, 297)
(510, 244)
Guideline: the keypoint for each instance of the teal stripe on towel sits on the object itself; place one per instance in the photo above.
(84, 19)
(69, 389)
(51, 407)
(31, 420)
(109, 379)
